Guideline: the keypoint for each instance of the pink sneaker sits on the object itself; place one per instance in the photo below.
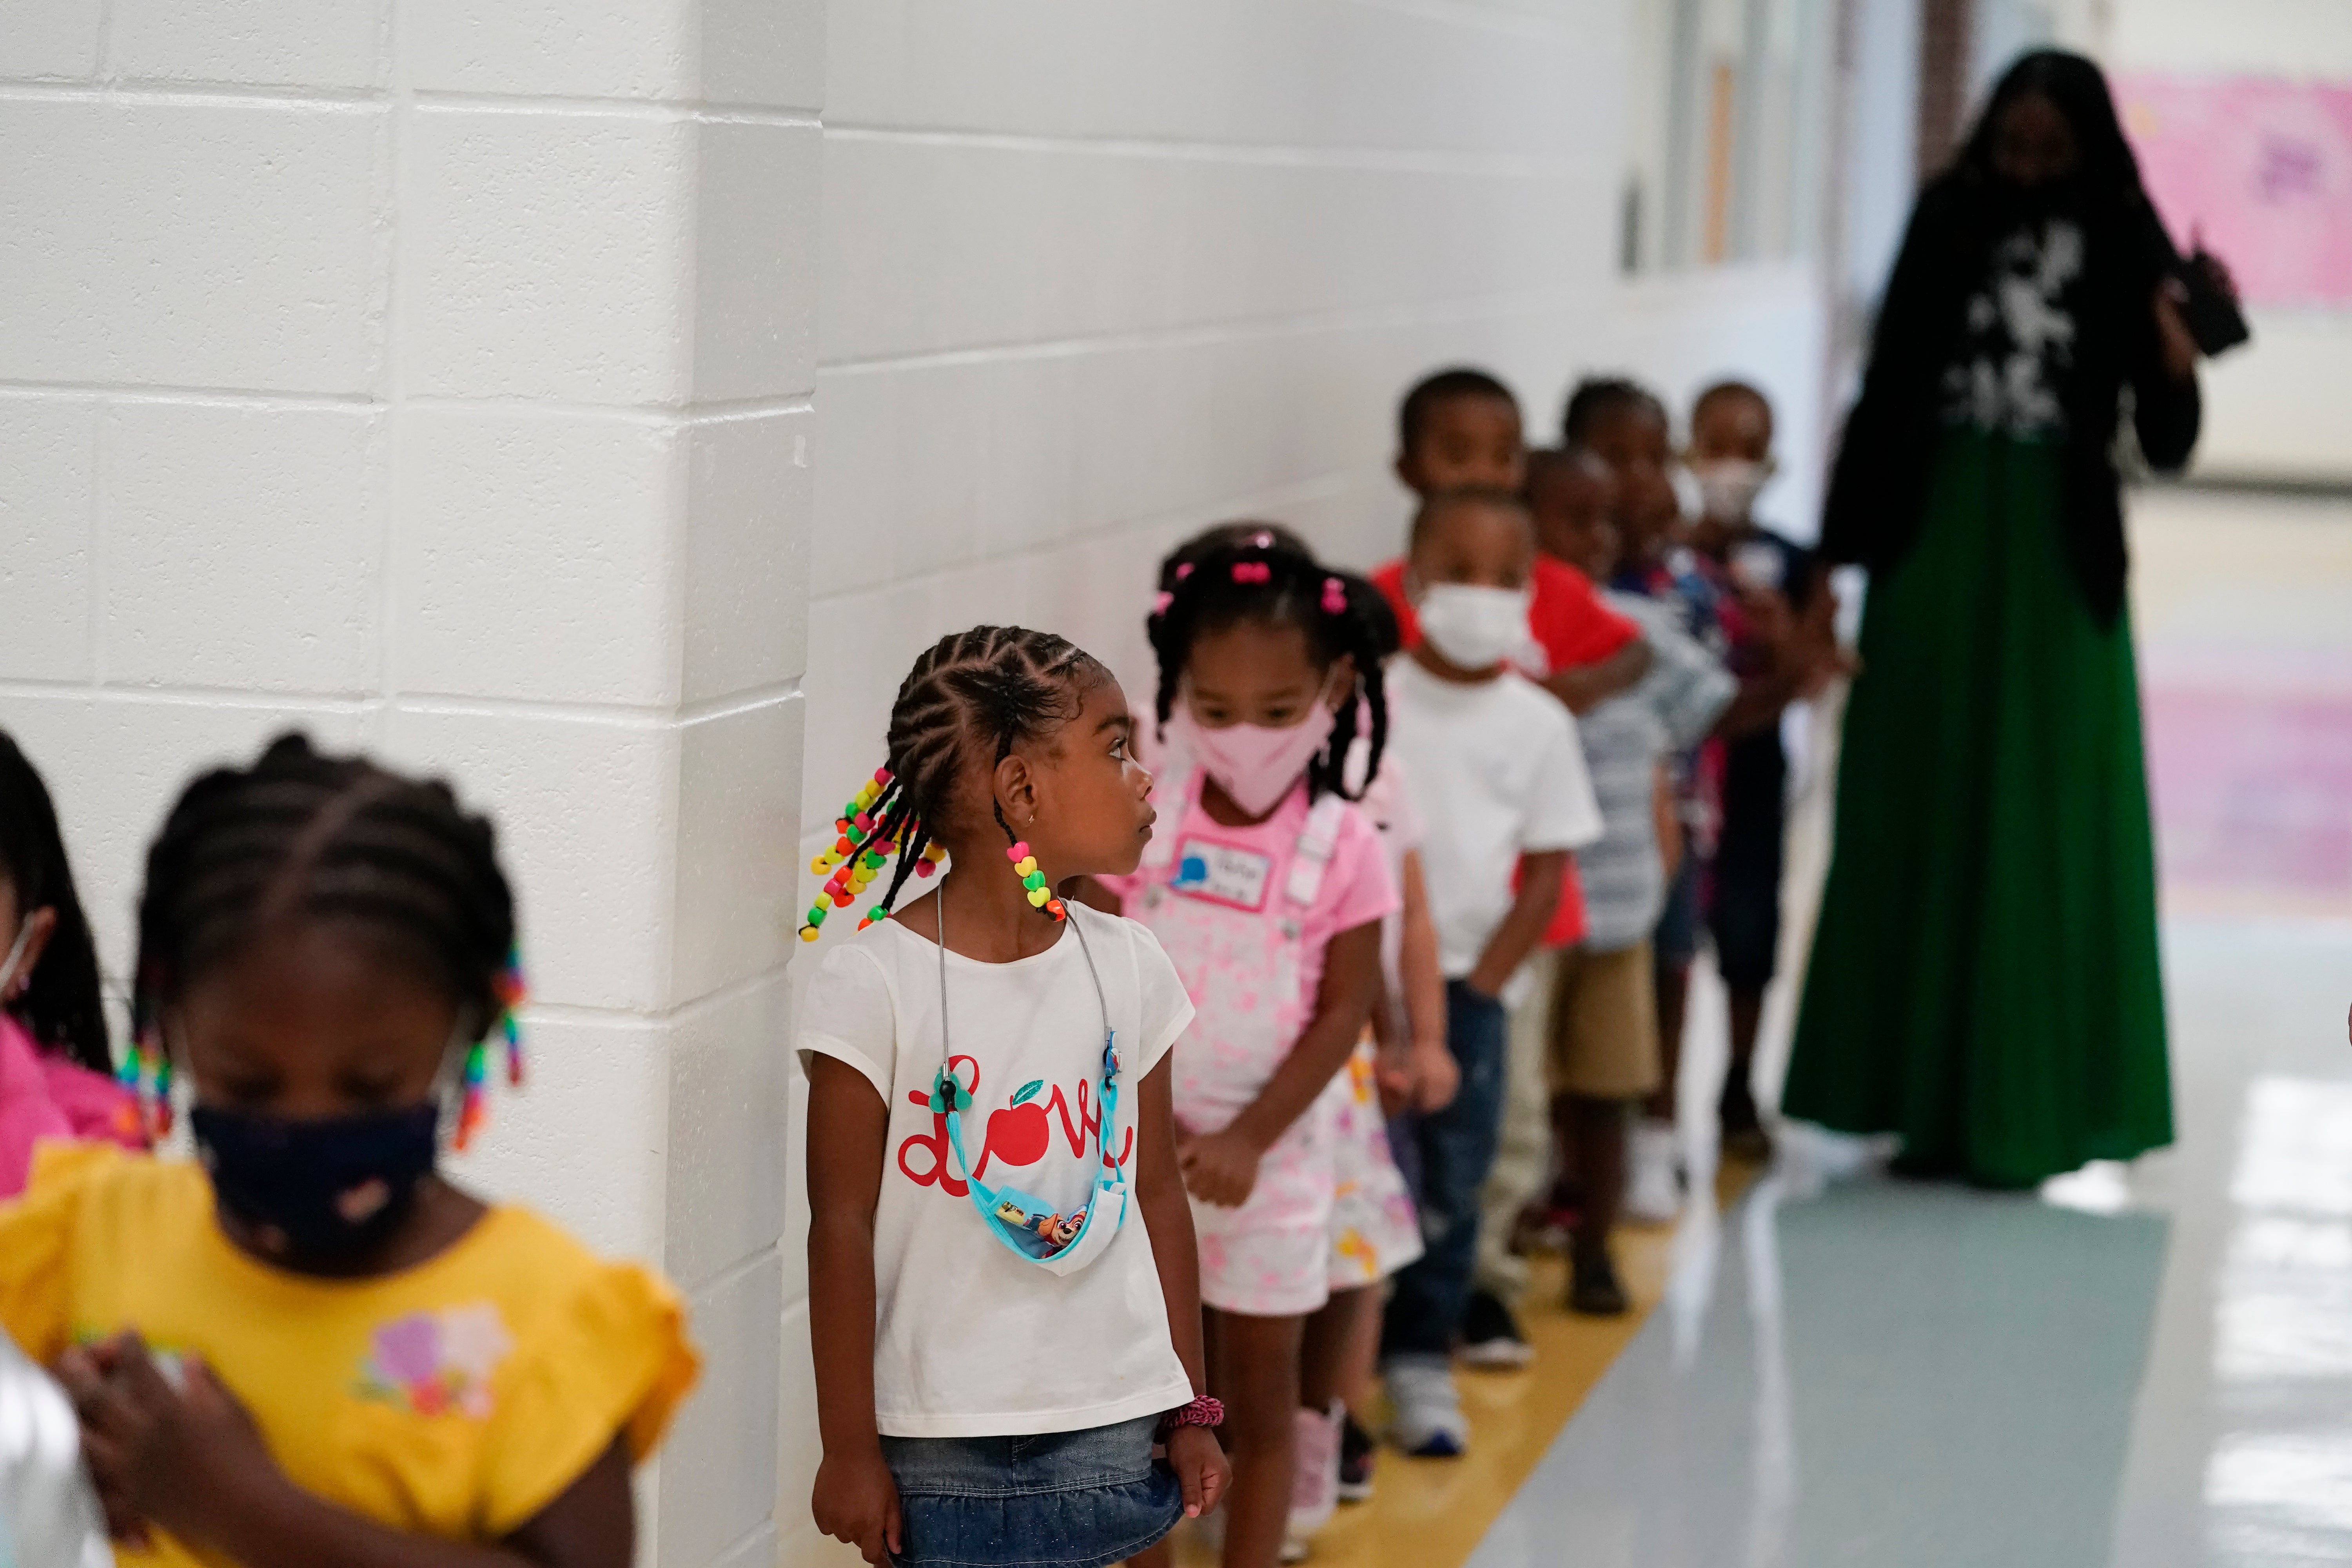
(1315, 1474)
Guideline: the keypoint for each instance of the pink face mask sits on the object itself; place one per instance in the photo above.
(1256, 765)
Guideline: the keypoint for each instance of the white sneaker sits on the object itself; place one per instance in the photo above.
(1654, 1186)
(1429, 1420)
(1315, 1472)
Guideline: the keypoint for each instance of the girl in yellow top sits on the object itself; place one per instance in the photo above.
(314, 1349)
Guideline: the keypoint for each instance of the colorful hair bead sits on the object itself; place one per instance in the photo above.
(1252, 571)
(1335, 596)
(146, 1072)
(1160, 601)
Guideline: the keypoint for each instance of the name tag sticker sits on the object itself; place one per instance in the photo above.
(1223, 874)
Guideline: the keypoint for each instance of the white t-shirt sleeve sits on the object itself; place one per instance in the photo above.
(1563, 813)
(845, 1012)
(1165, 1011)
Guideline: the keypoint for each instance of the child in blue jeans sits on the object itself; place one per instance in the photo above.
(1493, 764)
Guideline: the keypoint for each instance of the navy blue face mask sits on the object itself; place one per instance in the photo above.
(323, 1191)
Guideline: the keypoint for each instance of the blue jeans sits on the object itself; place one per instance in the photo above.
(1049, 1499)
(1453, 1148)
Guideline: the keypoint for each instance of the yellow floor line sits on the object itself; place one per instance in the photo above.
(1431, 1513)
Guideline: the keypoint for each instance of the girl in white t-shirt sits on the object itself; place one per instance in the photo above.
(1004, 1297)
(1267, 888)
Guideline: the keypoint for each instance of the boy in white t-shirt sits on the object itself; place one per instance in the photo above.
(1494, 764)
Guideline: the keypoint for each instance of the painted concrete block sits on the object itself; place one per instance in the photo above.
(755, 260)
(534, 555)
(766, 54)
(549, 255)
(593, 1084)
(749, 518)
(48, 461)
(48, 39)
(736, 912)
(728, 1116)
(131, 232)
(329, 43)
(586, 814)
(240, 546)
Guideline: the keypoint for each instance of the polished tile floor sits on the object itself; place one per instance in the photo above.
(2147, 1367)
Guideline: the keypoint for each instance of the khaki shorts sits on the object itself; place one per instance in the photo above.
(1604, 1025)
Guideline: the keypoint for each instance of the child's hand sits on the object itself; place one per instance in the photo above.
(1219, 1168)
(1392, 1075)
(181, 1458)
(1436, 1075)
(856, 1501)
(1200, 1463)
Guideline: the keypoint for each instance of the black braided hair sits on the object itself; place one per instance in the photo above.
(1597, 397)
(60, 1007)
(972, 694)
(1444, 386)
(302, 836)
(1264, 574)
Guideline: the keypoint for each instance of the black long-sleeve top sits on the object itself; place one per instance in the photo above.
(1878, 484)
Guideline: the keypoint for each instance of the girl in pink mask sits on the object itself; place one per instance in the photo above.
(1268, 889)
(55, 1069)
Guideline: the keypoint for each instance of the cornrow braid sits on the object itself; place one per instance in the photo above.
(1265, 574)
(972, 694)
(302, 837)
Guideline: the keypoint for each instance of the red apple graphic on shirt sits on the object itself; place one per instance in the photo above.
(1018, 1133)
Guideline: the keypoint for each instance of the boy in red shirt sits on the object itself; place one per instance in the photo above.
(1459, 430)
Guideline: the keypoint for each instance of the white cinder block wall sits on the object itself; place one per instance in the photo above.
(437, 376)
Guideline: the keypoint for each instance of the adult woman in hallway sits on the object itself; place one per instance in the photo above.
(1984, 978)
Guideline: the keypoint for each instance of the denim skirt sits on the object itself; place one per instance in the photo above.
(1047, 1500)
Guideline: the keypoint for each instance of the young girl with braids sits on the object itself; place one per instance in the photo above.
(312, 1348)
(57, 1073)
(1004, 1306)
(1269, 894)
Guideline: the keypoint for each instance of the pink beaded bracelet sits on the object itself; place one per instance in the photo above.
(1202, 1412)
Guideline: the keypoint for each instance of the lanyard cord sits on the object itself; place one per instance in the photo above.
(940, 916)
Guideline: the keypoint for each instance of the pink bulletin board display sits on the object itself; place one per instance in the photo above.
(2261, 167)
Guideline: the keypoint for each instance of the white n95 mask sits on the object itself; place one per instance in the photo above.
(1475, 628)
(1728, 486)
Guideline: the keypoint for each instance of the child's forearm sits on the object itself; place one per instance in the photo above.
(1586, 686)
(1541, 878)
(1351, 984)
(289, 1527)
(273, 1523)
(1419, 971)
(848, 1139)
(840, 1332)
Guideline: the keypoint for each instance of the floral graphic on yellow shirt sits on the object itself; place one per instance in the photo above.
(436, 1362)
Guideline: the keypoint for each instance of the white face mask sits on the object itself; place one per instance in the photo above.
(15, 956)
(1727, 487)
(1475, 628)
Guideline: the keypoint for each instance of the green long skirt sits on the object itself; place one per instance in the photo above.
(1984, 978)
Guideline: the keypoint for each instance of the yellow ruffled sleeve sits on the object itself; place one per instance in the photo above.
(612, 1361)
(37, 1234)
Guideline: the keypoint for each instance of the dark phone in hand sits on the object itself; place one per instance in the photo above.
(2211, 311)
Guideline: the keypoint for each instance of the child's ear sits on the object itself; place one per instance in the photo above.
(1016, 792)
(1407, 470)
(1341, 688)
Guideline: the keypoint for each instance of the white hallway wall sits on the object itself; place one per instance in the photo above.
(435, 376)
